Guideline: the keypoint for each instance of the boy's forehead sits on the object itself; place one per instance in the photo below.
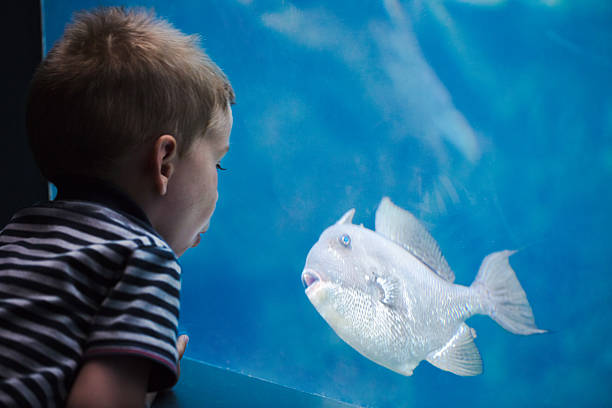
(228, 115)
(223, 118)
(220, 128)
(227, 123)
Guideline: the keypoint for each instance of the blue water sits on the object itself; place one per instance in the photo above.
(490, 120)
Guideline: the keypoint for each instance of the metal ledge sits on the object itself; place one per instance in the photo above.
(203, 385)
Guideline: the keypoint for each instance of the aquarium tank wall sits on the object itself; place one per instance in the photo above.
(489, 120)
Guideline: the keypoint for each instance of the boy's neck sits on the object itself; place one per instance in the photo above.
(84, 188)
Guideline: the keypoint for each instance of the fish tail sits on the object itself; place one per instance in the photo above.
(501, 295)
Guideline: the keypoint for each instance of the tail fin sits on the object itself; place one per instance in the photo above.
(502, 296)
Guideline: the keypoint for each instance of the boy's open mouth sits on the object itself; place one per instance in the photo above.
(197, 240)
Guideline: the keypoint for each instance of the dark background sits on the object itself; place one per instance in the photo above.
(21, 31)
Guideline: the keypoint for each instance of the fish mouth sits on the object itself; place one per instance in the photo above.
(310, 278)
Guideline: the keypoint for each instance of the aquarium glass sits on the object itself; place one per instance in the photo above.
(489, 120)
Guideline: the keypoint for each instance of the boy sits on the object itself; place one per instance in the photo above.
(130, 120)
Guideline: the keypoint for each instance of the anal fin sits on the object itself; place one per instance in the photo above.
(460, 355)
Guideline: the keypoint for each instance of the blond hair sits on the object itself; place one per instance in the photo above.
(119, 78)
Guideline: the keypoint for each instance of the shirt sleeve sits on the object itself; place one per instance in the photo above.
(139, 316)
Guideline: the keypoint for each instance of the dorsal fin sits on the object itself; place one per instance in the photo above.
(347, 218)
(401, 227)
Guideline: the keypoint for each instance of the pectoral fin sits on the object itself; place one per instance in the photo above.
(460, 355)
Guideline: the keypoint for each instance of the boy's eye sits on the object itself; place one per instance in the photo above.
(219, 167)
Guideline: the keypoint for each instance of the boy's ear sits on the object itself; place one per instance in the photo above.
(164, 153)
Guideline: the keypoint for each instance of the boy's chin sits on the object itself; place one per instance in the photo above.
(197, 238)
(194, 243)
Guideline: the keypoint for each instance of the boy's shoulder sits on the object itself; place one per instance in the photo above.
(87, 223)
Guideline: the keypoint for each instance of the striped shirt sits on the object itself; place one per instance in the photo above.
(80, 280)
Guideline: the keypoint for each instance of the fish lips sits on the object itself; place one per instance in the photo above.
(310, 279)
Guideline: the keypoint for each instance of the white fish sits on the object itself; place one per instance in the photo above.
(390, 294)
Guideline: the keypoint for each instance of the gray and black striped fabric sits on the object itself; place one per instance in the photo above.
(77, 281)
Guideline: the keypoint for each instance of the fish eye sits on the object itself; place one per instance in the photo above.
(345, 240)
